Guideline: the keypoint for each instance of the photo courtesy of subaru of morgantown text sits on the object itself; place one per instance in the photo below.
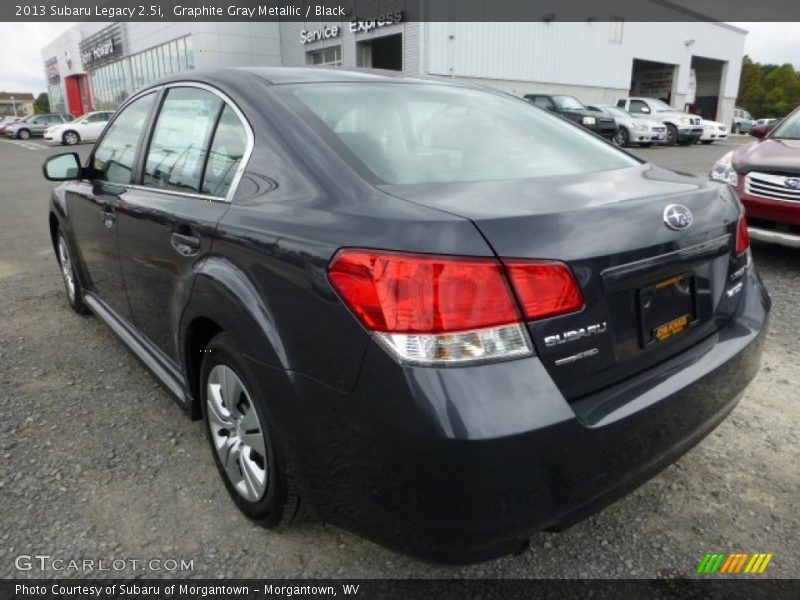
(409, 307)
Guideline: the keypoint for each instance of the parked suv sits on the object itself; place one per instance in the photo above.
(428, 313)
(742, 121)
(35, 125)
(572, 109)
(766, 175)
(682, 128)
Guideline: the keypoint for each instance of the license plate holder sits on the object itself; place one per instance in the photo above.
(667, 309)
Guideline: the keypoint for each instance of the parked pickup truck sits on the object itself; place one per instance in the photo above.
(571, 108)
(682, 128)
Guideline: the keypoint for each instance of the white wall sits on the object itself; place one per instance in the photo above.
(577, 53)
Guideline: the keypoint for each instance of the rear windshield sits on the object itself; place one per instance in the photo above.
(407, 133)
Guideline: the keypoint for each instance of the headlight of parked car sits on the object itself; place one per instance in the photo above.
(723, 170)
(588, 120)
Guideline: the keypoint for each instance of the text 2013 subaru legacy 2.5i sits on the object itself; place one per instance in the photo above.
(437, 316)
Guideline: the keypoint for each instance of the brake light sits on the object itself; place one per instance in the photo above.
(742, 236)
(433, 309)
(544, 288)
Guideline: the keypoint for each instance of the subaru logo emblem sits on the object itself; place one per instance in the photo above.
(677, 217)
(792, 182)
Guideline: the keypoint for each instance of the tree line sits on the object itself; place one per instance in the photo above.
(768, 90)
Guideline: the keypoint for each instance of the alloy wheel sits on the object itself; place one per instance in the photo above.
(66, 268)
(237, 434)
(24, 134)
(71, 138)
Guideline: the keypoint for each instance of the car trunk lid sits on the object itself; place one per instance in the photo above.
(650, 290)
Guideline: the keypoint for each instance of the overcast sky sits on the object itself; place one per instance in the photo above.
(23, 71)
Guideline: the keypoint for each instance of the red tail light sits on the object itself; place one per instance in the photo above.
(413, 293)
(742, 236)
(443, 309)
(544, 289)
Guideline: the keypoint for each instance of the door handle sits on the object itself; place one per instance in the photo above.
(185, 245)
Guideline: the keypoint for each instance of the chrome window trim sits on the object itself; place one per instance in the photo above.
(248, 151)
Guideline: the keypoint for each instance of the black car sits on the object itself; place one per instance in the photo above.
(420, 311)
(572, 109)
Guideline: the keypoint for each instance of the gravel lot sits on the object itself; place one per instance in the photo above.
(99, 463)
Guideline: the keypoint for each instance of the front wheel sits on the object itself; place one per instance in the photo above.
(249, 457)
(70, 138)
(621, 138)
(24, 134)
(672, 135)
(71, 283)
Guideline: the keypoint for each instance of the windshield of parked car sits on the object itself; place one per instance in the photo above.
(661, 106)
(406, 133)
(789, 128)
(568, 103)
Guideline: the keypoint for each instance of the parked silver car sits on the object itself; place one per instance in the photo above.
(742, 121)
(35, 125)
(634, 129)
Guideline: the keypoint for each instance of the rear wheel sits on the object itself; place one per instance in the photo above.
(621, 138)
(24, 134)
(249, 457)
(70, 138)
(672, 135)
(71, 284)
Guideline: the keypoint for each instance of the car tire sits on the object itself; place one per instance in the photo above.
(672, 135)
(707, 142)
(23, 134)
(254, 466)
(72, 286)
(70, 138)
(622, 138)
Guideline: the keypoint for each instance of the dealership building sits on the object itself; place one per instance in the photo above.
(697, 63)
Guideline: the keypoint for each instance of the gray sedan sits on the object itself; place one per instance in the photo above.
(634, 129)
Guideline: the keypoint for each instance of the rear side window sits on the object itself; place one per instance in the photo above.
(542, 102)
(408, 133)
(225, 156)
(181, 138)
(113, 160)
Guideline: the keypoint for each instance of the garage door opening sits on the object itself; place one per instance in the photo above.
(653, 79)
(708, 75)
(382, 53)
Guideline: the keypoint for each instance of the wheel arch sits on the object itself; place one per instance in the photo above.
(224, 299)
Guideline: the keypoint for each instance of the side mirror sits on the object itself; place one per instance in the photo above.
(62, 167)
(758, 132)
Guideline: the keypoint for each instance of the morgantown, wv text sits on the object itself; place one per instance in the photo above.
(181, 590)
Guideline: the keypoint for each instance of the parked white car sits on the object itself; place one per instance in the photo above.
(83, 129)
(713, 131)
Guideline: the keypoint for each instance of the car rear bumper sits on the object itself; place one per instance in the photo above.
(463, 464)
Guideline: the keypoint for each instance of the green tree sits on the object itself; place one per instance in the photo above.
(768, 90)
(42, 103)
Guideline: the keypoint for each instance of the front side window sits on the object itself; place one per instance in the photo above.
(113, 160)
(181, 138)
(543, 102)
(639, 107)
(407, 133)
